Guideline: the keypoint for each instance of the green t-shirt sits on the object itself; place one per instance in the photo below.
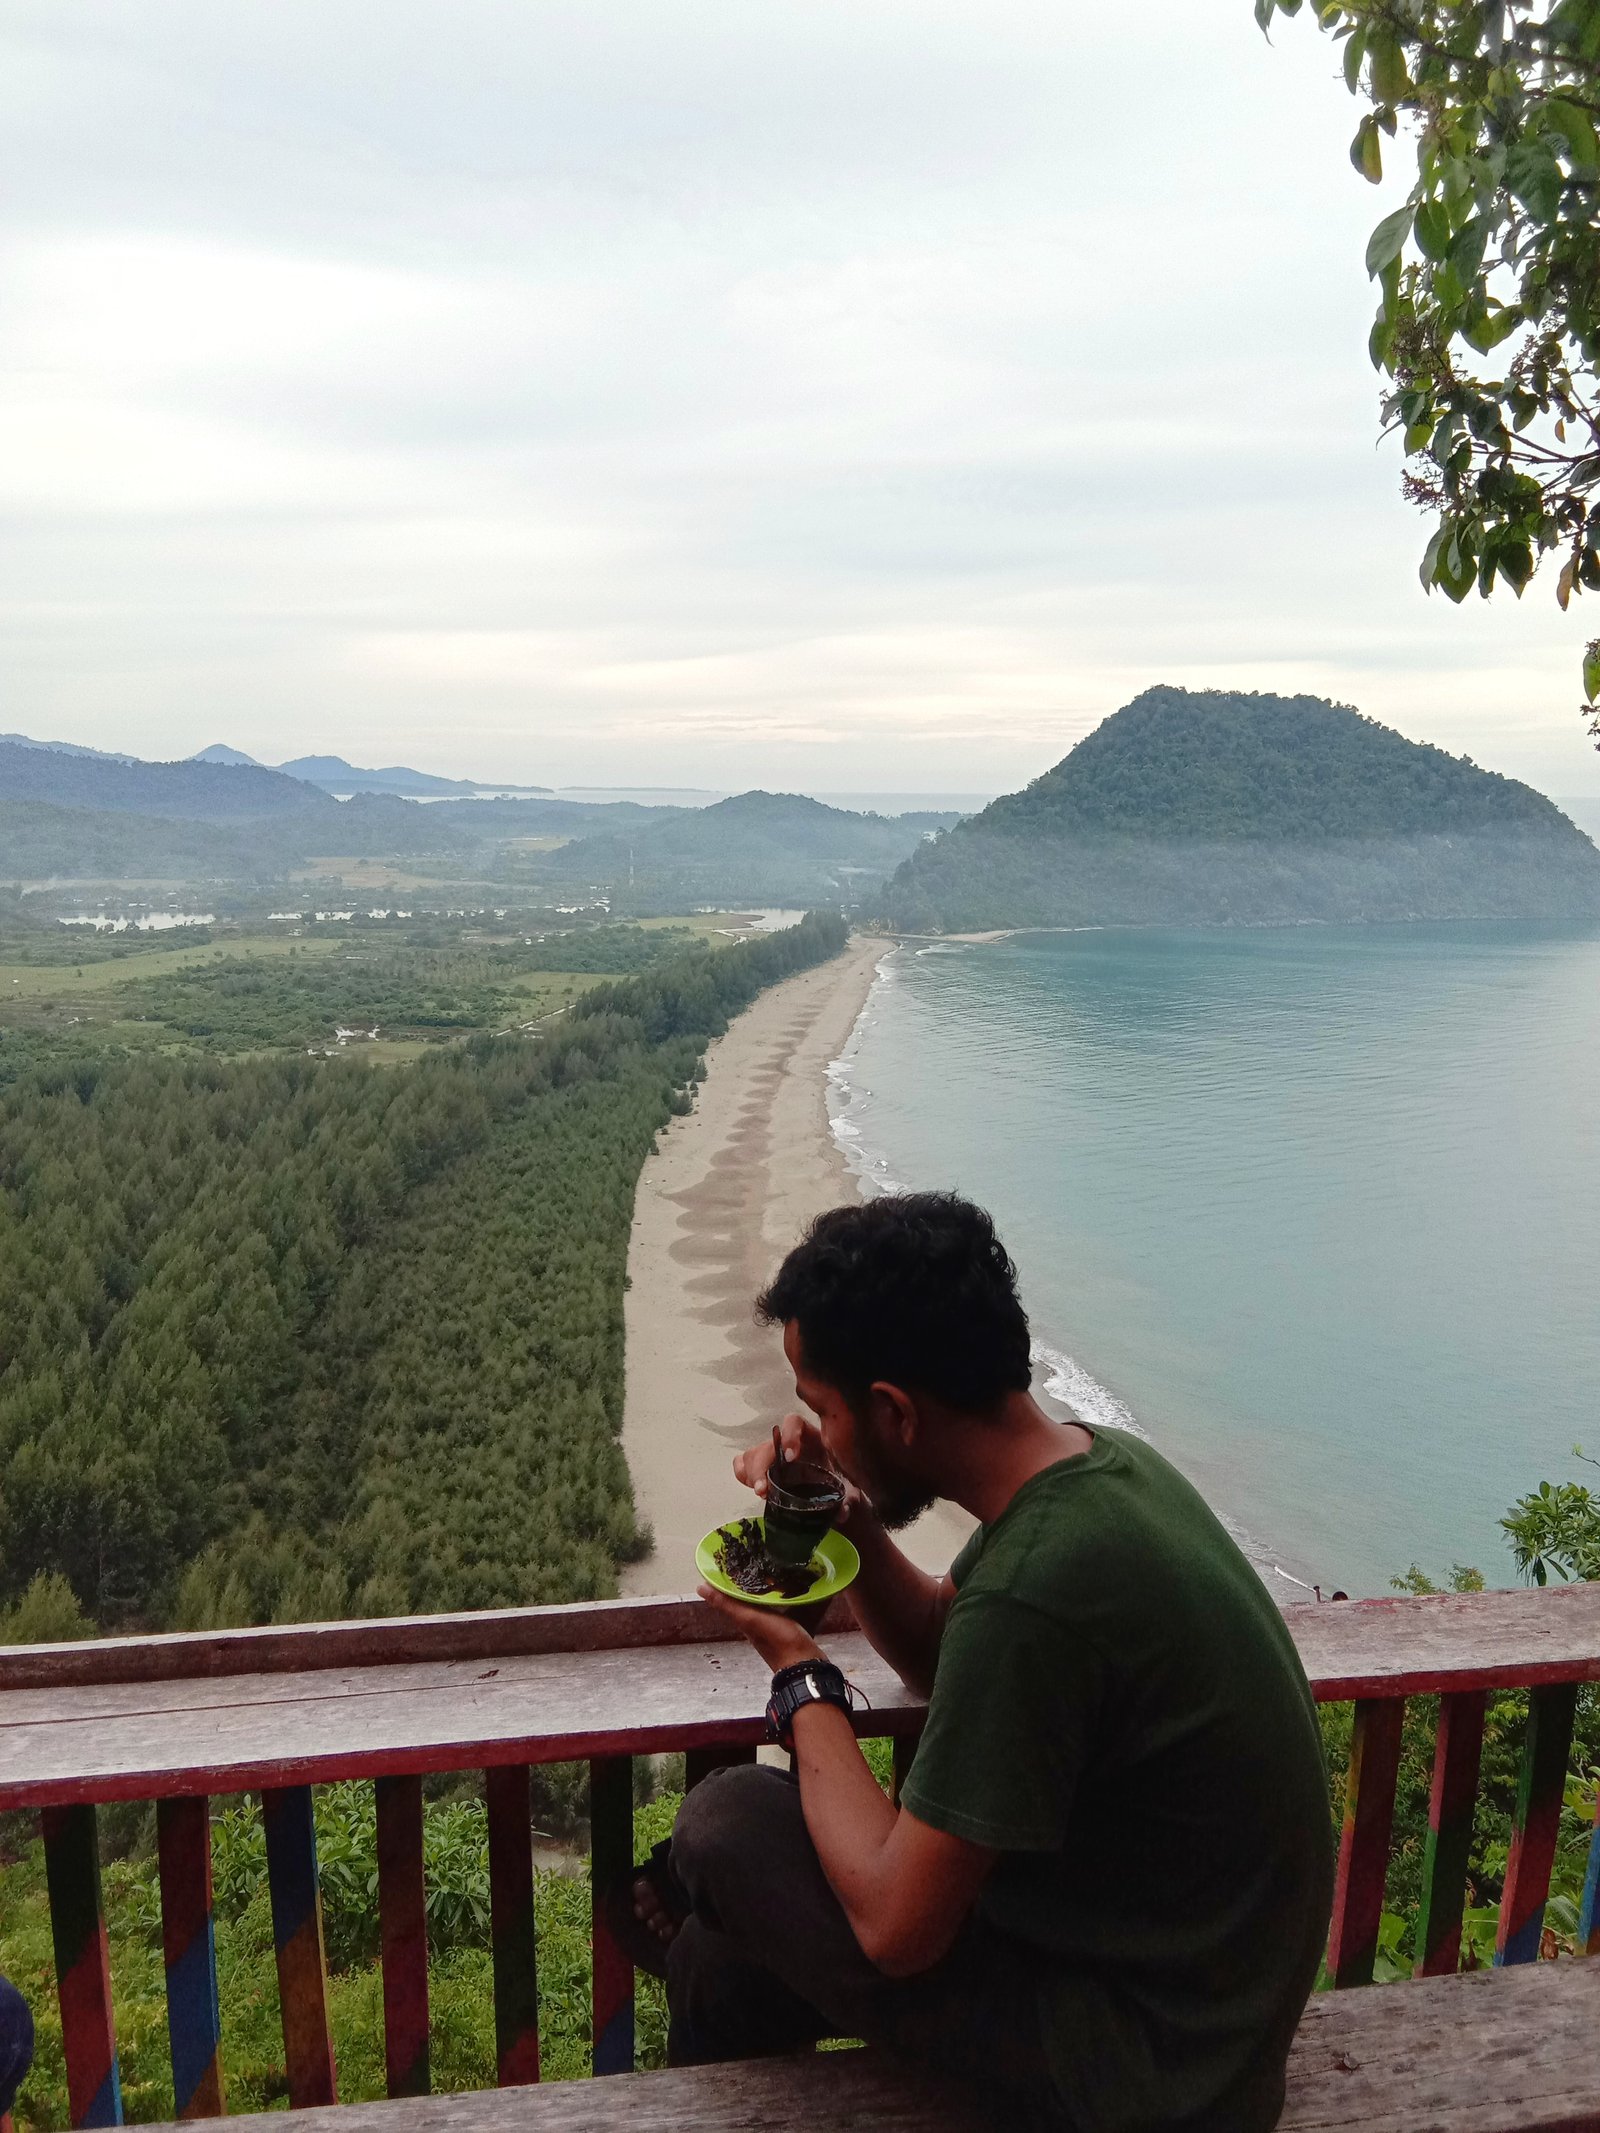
(1120, 1712)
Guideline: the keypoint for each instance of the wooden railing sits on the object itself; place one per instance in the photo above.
(181, 1719)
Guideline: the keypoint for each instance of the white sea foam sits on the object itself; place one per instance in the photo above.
(1094, 1404)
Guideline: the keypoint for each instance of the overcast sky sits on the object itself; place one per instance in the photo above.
(841, 394)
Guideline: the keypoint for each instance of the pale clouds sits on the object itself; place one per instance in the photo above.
(825, 394)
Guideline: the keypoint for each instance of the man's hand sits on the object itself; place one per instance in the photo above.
(800, 1440)
(776, 1635)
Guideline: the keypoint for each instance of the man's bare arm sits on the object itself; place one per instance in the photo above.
(905, 1887)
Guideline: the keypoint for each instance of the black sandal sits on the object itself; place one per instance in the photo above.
(643, 1948)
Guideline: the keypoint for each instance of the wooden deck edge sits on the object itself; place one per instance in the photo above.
(1404, 1646)
(583, 1626)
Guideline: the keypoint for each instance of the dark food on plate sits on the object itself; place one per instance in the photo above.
(745, 1561)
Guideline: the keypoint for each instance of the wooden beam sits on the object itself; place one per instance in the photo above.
(406, 1640)
(297, 1942)
(1499, 2051)
(511, 1925)
(189, 1949)
(203, 1732)
(83, 1966)
(1457, 1752)
(610, 1856)
(403, 1925)
(1364, 1843)
(1408, 1645)
(1535, 1824)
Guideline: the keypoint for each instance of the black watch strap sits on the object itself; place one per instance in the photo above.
(810, 1681)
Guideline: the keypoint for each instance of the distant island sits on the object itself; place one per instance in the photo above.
(1213, 807)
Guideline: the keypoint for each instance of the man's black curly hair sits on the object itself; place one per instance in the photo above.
(915, 1290)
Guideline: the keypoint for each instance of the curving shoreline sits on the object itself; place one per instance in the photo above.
(728, 1190)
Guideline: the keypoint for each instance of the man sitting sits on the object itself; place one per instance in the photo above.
(1105, 1891)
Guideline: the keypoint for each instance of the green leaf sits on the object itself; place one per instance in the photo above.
(1591, 672)
(1366, 151)
(1390, 81)
(1355, 51)
(1490, 328)
(1576, 128)
(1388, 240)
(1533, 176)
(1466, 247)
(1433, 229)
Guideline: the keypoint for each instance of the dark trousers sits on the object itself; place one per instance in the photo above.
(767, 1961)
(16, 2043)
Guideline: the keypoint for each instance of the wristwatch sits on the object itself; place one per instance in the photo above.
(810, 1681)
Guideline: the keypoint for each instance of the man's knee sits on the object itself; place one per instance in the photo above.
(16, 2042)
(729, 1827)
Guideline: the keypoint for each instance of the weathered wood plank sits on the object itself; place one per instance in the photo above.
(1507, 2051)
(1405, 1645)
(210, 1730)
(1458, 1750)
(83, 1966)
(189, 1951)
(1494, 2051)
(311, 1728)
(1364, 1843)
(306, 1647)
(511, 1925)
(403, 1927)
(610, 1855)
(297, 1942)
(1535, 1824)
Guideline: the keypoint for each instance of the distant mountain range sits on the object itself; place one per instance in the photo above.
(1216, 808)
(77, 814)
(332, 774)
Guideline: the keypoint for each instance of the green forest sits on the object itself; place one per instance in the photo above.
(290, 1337)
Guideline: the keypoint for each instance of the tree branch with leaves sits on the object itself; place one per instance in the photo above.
(1488, 320)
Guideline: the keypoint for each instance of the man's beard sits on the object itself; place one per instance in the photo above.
(898, 1507)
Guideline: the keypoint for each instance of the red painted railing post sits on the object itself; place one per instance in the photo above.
(511, 1925)
(189, 1947)
(1364, 1844)
(610, 1855)
(297, 1940)
(83, 1965)
(1536, 1823)
(403, 1923)
(1458, 1750)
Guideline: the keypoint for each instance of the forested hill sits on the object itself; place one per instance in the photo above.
(763, 846)
(1217, 807)
(198, 792)
(289, 1338)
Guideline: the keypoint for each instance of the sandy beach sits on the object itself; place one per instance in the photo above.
(728, 1190)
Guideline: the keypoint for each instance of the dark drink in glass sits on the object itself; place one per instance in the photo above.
(803, 1501)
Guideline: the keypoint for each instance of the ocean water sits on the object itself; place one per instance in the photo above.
(1316, 1210)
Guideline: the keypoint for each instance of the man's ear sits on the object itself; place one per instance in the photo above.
(895, 1411)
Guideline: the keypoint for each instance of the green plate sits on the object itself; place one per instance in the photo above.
(839, 1560)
